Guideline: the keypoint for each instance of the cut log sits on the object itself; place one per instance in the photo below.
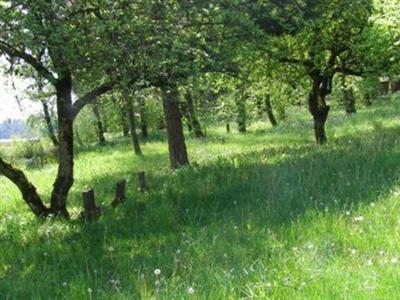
(91, 211)
(119, 193)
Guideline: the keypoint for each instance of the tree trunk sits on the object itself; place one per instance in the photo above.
(122, 113)
(176, 140)
(198, 133)
(350, 104)
(99, 123)
(65, 174)
(143, 118)
(124, 123)
(132, 126)
(27, 190)
(49, 124)
(241, 114)
(367, 99)
(270, 112)
(319, 109)
(348, 97)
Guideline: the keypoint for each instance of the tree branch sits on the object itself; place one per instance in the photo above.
(13, 52)
(90, 97)
(26, 188)
(348, 71)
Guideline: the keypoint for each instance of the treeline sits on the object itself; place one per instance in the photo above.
(14, 128)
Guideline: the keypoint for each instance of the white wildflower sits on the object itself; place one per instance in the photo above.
(157, 272)
(359, 219)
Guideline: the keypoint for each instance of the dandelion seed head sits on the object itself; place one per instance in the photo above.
(157, 272)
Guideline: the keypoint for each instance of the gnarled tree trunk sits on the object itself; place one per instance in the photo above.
(318, 107)
(27, 190)
(176, 139)
(65, 173)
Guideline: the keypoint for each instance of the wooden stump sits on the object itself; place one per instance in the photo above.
(119, 193)
(91, 211)
(142, 182)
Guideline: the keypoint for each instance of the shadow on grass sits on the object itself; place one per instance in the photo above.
(271, 189)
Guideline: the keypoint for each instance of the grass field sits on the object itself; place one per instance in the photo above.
(265, 215)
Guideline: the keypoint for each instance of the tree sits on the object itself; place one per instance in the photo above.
(52, 38)
(321, 46)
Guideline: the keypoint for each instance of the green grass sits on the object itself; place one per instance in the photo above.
(262, 215)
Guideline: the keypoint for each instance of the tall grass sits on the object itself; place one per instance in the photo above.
(262, 215)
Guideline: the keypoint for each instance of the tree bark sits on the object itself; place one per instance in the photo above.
(99, 124)
(318, 107)
(28, 191)
(176, 139)
(198, 133)
(143, 118)
(65, 173)
(241, 115)
(269, 110)
(49, 124)
(132, 126)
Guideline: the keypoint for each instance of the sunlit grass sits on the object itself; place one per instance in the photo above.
(261, 215)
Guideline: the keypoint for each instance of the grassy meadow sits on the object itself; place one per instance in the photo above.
(264, 215)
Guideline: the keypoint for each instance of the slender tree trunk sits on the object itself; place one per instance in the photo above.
(319, 110)
(124, 123)
(241, 114)
(270, 112)
(123, 118)
(198, 133)
(27, 190)
(132, 126)
(348, 97)
(65, 173)
(49, 124)
(176, 139)
(99, 123)
(143, 118)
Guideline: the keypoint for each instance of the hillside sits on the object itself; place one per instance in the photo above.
(263, 215)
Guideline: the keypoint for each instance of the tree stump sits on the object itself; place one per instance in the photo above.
(142, 182)
(119, 193)
(91, 211)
